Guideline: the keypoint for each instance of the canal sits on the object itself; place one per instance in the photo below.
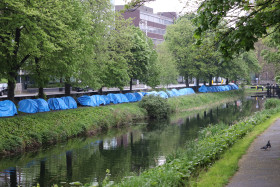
(124, 151)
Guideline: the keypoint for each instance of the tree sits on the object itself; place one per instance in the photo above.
(272, 55)
(246, 22)
(29, 27)
(138, 61)
(166, 64)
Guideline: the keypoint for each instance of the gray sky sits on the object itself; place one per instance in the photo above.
(167, 5)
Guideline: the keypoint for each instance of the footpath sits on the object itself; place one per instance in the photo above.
(260, 168)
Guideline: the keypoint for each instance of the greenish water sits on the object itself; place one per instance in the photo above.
(123, 152)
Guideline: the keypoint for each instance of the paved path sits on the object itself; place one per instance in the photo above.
(259, 168)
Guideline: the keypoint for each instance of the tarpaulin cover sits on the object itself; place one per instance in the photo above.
(86, 100)
(42, 105)
(138, 96)
(203, 89)
(7, 108)
(143, 93)
(98, 100)
(123, 98)
(176, 93)
(28, 106)
(218, 88)
(186, 91)
(170, 93)
(114, 98)
(130, 97)
(163, 94)
(152, 93)
(70, 102)
(57, 104)
(106, 99)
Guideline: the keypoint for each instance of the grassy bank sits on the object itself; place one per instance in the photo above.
(31, 131)
(212, 144)
(220, 173)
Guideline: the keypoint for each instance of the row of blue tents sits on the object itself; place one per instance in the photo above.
(8, 108)
(209, 89)
(172, 93)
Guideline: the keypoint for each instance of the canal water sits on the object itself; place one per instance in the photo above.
(123, 152)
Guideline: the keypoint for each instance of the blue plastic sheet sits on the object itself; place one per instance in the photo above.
(42, 105)
(70, 102)
(152, 93)
(130, 97)
(98, 100)
(123, 98)
(114, 98)
(28, 106)
(106, 99)
(204, 88)
(57, 104)
(7, 108)
(138, 96)
(176, 93)
(170, 93)
(86, 100)
(163, 94)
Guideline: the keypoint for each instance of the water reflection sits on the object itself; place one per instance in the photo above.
(122, 152)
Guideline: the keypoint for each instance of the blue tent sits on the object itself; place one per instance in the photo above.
(152, 93)
(86, 100)
(98, 100)
(28, 106)
(138, 96)
(123, 98)
(57, 104)
(170, 93)
(203, 89)
(106, 99)
(70, 102)
(176, 93)
(130, 97)
(143, 93)
(114, 98)
(163, 94)
(7, 108)
(42, 105)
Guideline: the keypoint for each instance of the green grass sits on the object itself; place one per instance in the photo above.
(213, 143)
(25, 131)
(220, 173)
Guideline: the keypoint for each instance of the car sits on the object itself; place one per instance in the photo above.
(3, 88)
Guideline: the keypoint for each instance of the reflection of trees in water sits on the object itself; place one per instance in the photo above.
(131, 151)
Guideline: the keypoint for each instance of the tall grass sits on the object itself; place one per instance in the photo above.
(201, 154)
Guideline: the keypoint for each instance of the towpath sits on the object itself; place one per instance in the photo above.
(259, 168)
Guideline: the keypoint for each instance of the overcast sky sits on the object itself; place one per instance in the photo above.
(178, 6)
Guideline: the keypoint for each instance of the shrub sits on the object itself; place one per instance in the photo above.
(271, 103)
(157, 107)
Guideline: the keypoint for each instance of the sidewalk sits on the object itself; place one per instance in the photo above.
(259, 168)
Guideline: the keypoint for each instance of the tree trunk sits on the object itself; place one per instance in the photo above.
(100, 92)
(227, 81)
(204, 82)
(210, 80)
(130, 83)
(67, 88)
(41, 93)
(11, 87)
(187, 80)
(197, 84)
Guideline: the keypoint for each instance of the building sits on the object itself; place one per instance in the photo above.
(154, 25)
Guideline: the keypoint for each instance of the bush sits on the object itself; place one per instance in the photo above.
(157, 107)
(271, 103)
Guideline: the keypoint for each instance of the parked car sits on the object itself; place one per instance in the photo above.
(3, 88)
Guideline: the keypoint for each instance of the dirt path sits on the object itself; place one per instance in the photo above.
(259, 168)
